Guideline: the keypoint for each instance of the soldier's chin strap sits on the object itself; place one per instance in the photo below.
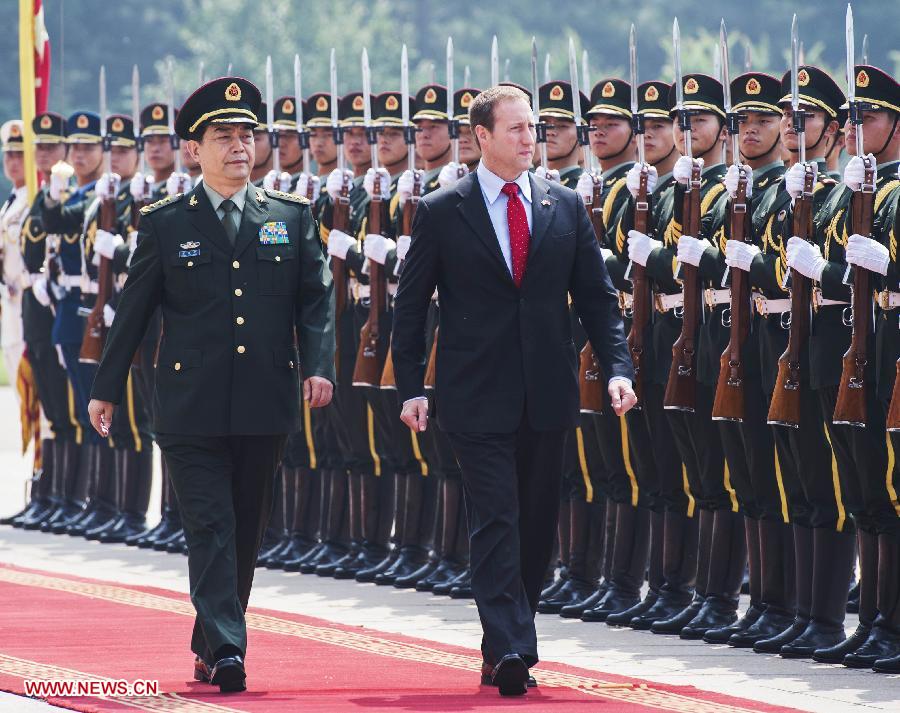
(667, 155)
(818, 141)
(772, 147)
(890, 135)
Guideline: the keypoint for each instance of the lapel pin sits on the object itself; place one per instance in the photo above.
(193, 201)
(546, 201)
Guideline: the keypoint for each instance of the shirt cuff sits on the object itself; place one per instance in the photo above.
(619, 378)
(416, 398)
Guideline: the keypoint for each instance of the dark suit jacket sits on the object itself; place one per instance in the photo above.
(503, 351)
(239, 324)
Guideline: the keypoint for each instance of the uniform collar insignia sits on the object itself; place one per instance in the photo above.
(193, 201)
(260, 196)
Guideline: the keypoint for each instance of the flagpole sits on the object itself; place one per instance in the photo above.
(26, 84)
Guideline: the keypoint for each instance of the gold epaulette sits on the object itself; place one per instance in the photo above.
(287, 196)
(147, 209)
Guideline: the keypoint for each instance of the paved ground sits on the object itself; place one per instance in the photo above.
(804, 685)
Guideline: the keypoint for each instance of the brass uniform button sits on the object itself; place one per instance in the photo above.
(177, 366)
(238, 292)
(241, 349)
(235, 264)
(190, 263)
(239, 320)
(291, 364)
(278, 258)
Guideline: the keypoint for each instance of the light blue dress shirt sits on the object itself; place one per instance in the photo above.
(496, 201)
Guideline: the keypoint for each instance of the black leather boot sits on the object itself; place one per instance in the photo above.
(336, 535)
(412, 554)
(582, 577)
(720, 635)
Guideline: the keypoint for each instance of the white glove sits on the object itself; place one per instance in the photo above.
(369, 183)
(681, 172)
(740, 254)
(855, 172)
(451, 173)
(108, 315)
(805, 258)
(640, 246)
(732, 175)
(606, 253)
(105, 243)
(690, 249)
(309, 187)
(795, 177)
(633, 179)
(335, 182)
(548, 174)
(405, 185)
(868, 254)
(277, 181)
(403, 242)
(140, 187)
(39, 290)
(377, 247)
(177, 183)
(339, 243)
(107, 185)
(585, 187)
(60, 175)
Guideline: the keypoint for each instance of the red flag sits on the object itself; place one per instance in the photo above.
(41, 59)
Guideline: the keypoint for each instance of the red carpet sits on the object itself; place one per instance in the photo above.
(59, 627)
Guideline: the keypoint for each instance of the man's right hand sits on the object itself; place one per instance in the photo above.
(415, 414)
(101, 415)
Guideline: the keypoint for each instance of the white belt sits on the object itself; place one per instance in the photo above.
(819, 301)
(717, 297)
(27, 279)
(364, 292)
(766, 306)
(664, 303)
(888, 299)
(90, 288)
(69, 281)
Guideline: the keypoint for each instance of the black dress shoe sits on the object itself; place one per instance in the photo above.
(229, 674)
(91, 526)
(446, 587)
(64, 511)
(294, 565)
(714, 614)
(62, 524)
(161, 544)
(16, 519)
(883, 643)
(111, 521)
(295, 546)
(815, 636)
(42, 510)
(773, 645)
(201, 670)
(510, 676)
(571, 592)
(554, 586)
(889, 665)
(768, 625)
(369, 556)
(487, 678)
(576, 609)
(613, 602)
(327, 569)
(444, 572)
(665, 608)
(367, 575)
(675, 624)
(328, 552)
(128, 525)
(624, 617)
(462, 588)
(410, 580)
(836, 654)
(167, 527)
(408, 562)
(178, 545)
(270, 558)
(722, 634)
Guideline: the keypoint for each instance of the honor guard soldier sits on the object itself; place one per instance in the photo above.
(157, 146)
(264, 151)
(563, 149)
(242, 325)
(290, 155)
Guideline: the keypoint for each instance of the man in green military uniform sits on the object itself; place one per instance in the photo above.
(241, 327)
(563, 150)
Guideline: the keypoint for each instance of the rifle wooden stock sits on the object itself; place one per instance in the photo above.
(893, 417)
(850, 408)
(371, 355)
(95, 327)
(641, 297)
(340, 217)
(784, 410)
(729, 402)
(431, 370)
(388, 380)
(590, 381)
(681, 388)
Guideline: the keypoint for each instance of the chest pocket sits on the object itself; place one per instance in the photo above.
(192, 274)
(277, 266)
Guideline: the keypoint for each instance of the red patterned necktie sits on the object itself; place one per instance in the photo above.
(519, 235)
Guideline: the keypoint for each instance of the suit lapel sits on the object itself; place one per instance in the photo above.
(474, 213)
(543, 209)
(204, 219)
(255, 213)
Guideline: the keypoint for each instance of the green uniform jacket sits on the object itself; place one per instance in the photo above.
(241, 322)
(886, 229)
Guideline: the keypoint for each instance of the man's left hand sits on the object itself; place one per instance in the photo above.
(318, 391)
(622, 396)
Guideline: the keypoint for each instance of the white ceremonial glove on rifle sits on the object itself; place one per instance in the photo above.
(308, 187)
(105, 244)
(740, 254)
(39, 290)
(377, 247)
(369, 183)
(690, 249)
(339, 243)
(451, 173)
(140, 187)
(640, 246)
(868, 254)
(733, 175)
(795, 177)
(606, 253)
(178, 183)
(405, 185)
(277, 181)
(109, 315)
(633, 179)
(335, 182)
(585, 187)
(107, 186)
(60, 175)
(805, 258)
(403, 242)
(681, 172)
(548, 174)
(855, 172)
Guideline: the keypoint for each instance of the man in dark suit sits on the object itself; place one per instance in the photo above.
(247, 306)
(505, 250)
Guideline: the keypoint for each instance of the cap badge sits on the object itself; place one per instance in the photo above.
(609, 90)
(802, 77)
(466, 100)
(391, 103)
(652, 93)
(862, 79)
(46, 122)
(158, 113)
(691, 86)
(233, 92)
(358, 103)
(118, 125)
(81, 122)
(556, 94)
(288, 106)
(430, 96)
(14, 131)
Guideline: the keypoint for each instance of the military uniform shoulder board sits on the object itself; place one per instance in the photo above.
(147, 209)
(287, 196)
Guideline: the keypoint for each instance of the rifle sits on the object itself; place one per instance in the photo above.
(850, 408)
(590, 375)
(340, 215)
(729, 402)
(95, 327)
(893, 417)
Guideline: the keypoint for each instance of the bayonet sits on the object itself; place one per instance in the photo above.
(585, 72)
(495, 63)
(409, 131)
(229, 69)
(270, 117)
(732, 119)
(302, 133)
(467, 77)
(581, 128)
(637, 120)
(336, 128)
(173, 137)
(540, 130)
(136, 115)
(856, 117)
(799, 117)
(748, 56)
(547, 68)
(371, 132)
(201, 71)
(506, 70)
(452, 124)
(684, 116)
(865, 49)
(104, 115)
